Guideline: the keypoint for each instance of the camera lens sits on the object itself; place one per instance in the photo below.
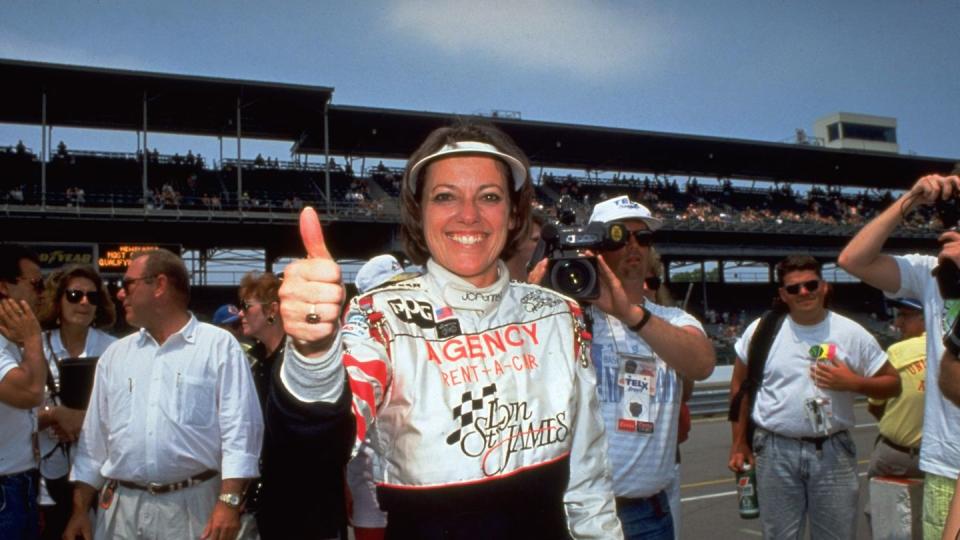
(573, 277)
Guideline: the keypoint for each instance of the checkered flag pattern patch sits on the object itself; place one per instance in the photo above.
(464, 411)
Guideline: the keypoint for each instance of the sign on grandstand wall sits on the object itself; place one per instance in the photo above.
(115, 258)
(55, 256)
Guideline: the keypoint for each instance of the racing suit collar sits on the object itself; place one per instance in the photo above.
(460, 294)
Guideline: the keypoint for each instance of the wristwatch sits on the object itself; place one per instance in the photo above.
(232, 500)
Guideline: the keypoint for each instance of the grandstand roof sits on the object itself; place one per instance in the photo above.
(113, 99)
(390, 133)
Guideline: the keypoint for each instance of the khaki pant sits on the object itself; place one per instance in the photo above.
(136, 514)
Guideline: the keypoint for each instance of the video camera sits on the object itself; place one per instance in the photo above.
(571, 271)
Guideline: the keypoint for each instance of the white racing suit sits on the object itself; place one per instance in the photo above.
(485, 407)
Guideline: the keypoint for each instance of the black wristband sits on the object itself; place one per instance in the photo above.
(643, 320)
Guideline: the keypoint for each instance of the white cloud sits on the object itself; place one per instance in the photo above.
(588, 40)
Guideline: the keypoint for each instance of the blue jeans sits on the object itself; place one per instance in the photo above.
(646, 518)
(796, 481)
(19, 517)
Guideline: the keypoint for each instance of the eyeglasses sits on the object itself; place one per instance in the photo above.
(126, 282)
(245, 306)
(36, 283)
(652, 283)
(75, 296)
(644, 238)
(810, 286)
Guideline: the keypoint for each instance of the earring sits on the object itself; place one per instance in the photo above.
(271, 319)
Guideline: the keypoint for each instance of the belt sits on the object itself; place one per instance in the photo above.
(818, 441)
(155, 488)
(899, 448)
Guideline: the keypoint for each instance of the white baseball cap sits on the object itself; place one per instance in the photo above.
(377, 271)
(517, 170)
(621, 209)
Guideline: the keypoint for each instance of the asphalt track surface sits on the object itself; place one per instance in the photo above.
(707, 490)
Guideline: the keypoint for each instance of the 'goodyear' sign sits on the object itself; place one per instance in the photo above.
(55, 256)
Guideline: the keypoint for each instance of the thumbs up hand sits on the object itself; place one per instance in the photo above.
(312, 295)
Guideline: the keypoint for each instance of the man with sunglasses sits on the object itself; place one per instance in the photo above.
(23, 371)
(640, 352)
(803, 454)
(911, 276)
(173, 430)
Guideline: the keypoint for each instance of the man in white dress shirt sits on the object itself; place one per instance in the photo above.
(173, 421)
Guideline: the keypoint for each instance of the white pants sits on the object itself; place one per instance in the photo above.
(136, 514)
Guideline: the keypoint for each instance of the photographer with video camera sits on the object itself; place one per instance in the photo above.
(640, 351)
(913, 276)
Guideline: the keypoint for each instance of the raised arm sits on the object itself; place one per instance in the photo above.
(862, 257)
(684, 348)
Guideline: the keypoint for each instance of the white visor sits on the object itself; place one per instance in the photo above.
(518, 171)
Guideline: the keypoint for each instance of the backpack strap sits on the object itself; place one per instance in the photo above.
(757, 353)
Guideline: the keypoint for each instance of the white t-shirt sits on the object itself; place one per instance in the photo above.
(786, 385)
(643, 462)
(940, 448)
(16, 425)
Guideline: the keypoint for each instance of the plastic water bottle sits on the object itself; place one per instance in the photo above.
(747, 492)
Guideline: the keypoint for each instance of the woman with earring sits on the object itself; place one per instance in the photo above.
(260, 320)
(75, 309)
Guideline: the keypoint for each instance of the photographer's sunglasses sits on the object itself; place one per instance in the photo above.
(810, 286)
(74, 296)
(643, 237)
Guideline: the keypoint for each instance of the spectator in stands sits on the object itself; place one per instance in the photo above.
(179, 392)
(16, 194)
(804, 456)
(897, 450)
(62, 150)
(76, 307)
(21, 148)
(652, 347)
(23, 372)
(910, 276)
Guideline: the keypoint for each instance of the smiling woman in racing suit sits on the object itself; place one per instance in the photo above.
(477, 392)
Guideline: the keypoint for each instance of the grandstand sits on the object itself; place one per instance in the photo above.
(724, 200)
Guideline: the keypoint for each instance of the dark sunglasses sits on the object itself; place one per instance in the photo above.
(652, 283)
(643, 237)
(74, 296)
(36, 283)
(810, 286)
(245, 306)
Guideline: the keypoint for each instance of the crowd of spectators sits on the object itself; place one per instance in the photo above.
(186, 182)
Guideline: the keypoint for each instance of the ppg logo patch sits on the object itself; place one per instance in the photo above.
(413, 312)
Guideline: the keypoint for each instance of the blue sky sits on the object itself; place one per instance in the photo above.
(745, 69)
